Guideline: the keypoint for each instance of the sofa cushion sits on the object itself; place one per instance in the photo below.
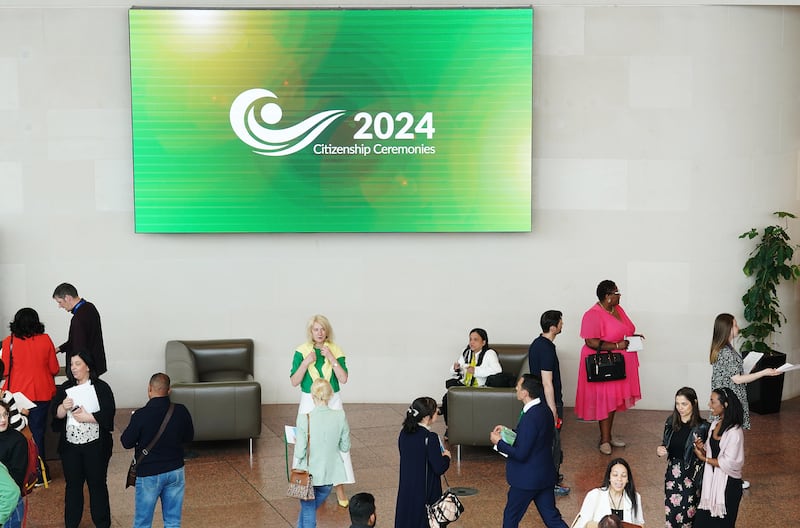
(225, 375)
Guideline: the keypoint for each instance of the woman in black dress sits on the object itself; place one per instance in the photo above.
(423, 460)
(684, 470)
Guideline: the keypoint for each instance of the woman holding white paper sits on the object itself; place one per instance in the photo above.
(726, 363)
(606, 326)
(85, 411)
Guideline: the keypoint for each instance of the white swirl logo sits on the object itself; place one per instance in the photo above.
(274, 142)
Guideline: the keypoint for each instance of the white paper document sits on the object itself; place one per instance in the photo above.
(750, 361)
(635, 343)
(291, 434)
(786, 367)
(23, 402)
(84, 396)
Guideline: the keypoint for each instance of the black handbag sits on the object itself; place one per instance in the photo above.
(605, 366)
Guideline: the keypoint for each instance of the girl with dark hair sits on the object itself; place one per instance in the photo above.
(30, 364)
(423, 460)
(616, 495)
(84, 416)
(684, 470)
(476, 363)
(723, 454)
(605, 326)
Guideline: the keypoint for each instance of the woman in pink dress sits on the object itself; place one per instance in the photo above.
(606, 325)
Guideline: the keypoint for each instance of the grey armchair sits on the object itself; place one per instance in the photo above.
(214, 380)
(473, 412)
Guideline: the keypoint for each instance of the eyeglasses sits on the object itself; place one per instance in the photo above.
(615, 293)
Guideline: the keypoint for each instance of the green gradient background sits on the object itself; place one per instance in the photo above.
(470, 67)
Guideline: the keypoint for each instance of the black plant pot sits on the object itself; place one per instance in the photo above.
(764, 395)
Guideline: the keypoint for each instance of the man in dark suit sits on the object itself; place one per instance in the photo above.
(529, 470)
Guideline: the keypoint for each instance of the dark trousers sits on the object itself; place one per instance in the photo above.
(86, 463)
(558, 454)
(449, 383)
(37, 421)
(519, 500)
(733, 496)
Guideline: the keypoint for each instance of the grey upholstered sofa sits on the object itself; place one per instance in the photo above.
(473, 412)
(214, 380)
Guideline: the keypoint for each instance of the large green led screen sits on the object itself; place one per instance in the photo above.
(331, 120)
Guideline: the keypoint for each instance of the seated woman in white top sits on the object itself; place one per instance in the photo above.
(616, 495)
(476, 363)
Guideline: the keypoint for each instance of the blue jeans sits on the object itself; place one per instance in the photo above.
(169, 486)
(15, 521)
(308, 509)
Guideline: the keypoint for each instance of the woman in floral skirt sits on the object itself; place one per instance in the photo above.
(684, 473)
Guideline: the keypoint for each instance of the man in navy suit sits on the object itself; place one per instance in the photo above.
(529, 470)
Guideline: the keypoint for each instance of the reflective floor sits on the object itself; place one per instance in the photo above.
(225, 488)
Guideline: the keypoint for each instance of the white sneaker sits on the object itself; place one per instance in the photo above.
(745, 484)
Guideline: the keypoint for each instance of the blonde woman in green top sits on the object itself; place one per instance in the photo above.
(320, 358)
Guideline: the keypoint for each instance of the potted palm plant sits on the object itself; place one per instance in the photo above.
(769, 264)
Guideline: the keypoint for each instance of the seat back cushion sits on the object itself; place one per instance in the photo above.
(513, 358)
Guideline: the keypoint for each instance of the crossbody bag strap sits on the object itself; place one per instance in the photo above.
(163, 426)
(426, 469)
(10, 361)
(308, 439)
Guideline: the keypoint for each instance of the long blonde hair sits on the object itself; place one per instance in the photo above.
(723, 325)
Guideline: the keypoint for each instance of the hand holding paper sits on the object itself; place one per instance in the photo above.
(635, 343)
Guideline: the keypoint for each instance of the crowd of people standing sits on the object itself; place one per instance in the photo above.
(703, 478)
(82, 410)
(702, 481)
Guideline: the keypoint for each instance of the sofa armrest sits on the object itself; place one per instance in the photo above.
(472, 413)
(221, 410)
(180, 363)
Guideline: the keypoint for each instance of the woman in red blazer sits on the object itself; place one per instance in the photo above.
(30, 366)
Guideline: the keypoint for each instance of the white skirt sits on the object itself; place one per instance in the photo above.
(306, 406)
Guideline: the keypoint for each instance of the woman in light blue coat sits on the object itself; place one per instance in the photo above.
(329, 435)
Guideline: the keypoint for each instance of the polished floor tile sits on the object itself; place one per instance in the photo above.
(225, 487)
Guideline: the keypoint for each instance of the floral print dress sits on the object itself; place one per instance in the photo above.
(681, 486)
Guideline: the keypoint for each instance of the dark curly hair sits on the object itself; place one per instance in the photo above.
(26, 324)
